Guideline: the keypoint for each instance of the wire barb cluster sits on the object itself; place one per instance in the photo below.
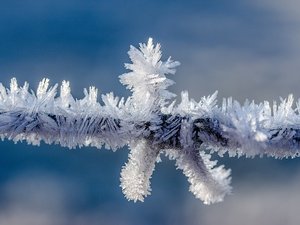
(151, 124)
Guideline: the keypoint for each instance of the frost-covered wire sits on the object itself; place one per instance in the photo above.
(151, 124)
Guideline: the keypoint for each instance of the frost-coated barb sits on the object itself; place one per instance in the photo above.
(188, 132)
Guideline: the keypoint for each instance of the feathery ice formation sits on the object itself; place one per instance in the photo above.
(150, 123)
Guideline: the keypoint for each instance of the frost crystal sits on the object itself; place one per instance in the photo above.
(150, 125)
(148, 76)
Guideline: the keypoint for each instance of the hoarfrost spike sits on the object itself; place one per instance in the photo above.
(136, 174)
(151, 124)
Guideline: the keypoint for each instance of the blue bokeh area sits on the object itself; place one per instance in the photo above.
(245, 49)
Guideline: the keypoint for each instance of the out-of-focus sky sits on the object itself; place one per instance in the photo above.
(245, 49)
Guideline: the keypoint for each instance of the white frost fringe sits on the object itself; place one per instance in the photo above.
(250, 129)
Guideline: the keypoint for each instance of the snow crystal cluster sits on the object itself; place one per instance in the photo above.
(151, 124)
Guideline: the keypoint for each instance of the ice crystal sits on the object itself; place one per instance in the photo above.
(148, 75)
(151, 124)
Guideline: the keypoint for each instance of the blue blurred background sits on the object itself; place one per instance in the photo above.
(245, 49)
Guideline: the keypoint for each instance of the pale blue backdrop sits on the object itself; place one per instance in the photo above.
(245, 49)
